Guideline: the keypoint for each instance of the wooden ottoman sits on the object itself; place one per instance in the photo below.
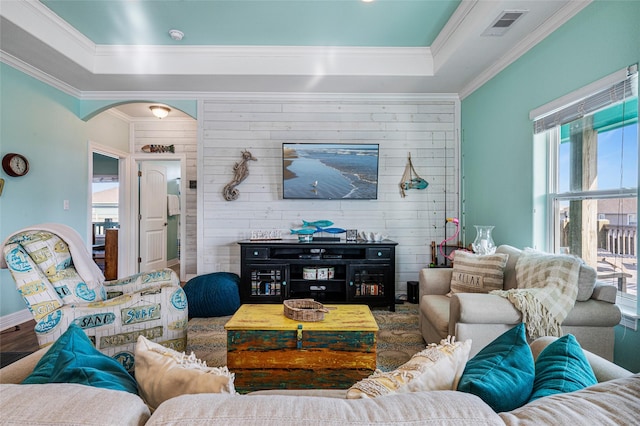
(264, 352)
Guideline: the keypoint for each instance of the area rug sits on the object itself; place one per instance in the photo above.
(398, 338)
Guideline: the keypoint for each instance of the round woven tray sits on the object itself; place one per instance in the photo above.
(304, 310)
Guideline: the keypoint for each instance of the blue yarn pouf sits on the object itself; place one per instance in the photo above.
(213, 295)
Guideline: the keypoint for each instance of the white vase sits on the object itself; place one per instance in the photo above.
(483, 244)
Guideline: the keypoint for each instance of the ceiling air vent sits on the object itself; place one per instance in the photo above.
(503, 22)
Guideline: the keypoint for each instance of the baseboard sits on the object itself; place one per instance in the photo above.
(16, 318)
(172, 262)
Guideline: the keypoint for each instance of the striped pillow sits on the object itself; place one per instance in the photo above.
(474, 273)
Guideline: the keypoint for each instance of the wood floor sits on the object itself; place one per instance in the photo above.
(21, 338)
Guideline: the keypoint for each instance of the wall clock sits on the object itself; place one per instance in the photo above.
(15, 165)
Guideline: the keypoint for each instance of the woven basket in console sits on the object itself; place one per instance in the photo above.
(304, 310)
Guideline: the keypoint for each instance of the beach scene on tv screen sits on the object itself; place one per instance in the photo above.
(330, 171)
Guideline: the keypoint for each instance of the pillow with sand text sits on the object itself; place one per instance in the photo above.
(163, 373)
(474, 273)
(438, 367)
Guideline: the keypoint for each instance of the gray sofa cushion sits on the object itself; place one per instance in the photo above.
(419, 408)
(510, 268)
(436, 309)
(593, 313)
(586, 282)
(70, 404)
(614, 402)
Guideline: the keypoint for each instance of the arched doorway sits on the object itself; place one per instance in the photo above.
(178, 129)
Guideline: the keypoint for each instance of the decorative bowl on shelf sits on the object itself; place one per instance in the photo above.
(372, 236)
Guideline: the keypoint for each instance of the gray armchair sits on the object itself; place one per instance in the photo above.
(483, 317)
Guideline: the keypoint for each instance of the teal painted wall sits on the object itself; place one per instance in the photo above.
(497, 149)
(626, 348)
(103, 165)
(497, 134)
(40, 123)
(45, 125)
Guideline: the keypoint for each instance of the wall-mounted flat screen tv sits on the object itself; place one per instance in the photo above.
(330, 171)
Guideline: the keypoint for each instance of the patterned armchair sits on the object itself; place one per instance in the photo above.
(61, 284)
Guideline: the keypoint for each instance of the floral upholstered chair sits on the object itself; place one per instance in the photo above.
(60, 284)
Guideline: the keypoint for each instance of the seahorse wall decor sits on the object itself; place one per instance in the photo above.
(241, 171)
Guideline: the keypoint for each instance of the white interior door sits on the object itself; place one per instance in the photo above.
(153, 216)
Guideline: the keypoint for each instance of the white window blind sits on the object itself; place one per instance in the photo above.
(612, 89)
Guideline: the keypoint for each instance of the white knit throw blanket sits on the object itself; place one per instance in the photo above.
(547, 290)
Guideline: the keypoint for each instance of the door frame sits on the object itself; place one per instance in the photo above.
(134, 211)
(124, 207)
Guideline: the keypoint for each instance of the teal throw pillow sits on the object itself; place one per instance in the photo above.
(73, 359)
(502, 373)
(562, 367)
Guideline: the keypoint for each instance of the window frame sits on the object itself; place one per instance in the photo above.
(629, 304)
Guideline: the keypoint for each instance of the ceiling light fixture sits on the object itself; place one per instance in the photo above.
(160, 111)
(176, 34)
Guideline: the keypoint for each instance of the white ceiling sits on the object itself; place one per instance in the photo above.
(60, 49)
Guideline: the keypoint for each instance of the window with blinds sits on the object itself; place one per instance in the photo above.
(593, 175)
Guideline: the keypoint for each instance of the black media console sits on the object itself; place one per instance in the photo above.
(327, 271)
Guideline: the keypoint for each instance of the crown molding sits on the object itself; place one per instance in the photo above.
(453, 25)
(31, 71)
(274, 96)
(263, 60)
(184, 95)
(39, 21)
(549, 26)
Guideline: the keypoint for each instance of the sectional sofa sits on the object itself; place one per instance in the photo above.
(614, 400)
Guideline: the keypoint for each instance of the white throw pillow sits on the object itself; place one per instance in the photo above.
(163, 373)
(438, 367)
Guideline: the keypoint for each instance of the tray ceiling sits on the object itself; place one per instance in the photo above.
(93, 47)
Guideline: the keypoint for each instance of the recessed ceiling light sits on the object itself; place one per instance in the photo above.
(176, 34)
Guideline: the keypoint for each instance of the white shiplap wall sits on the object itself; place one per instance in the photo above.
(427, 127)
(182, 133)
